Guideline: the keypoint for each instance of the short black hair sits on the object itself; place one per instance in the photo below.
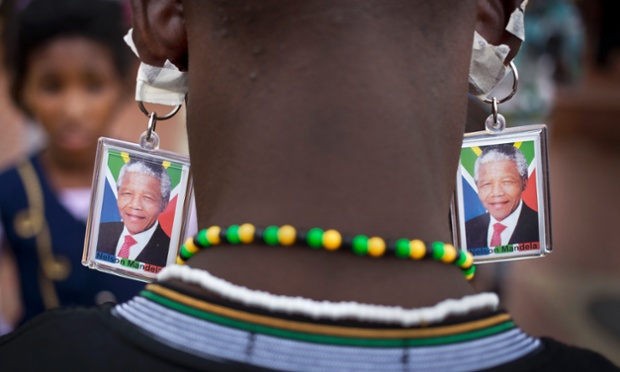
(41, 21)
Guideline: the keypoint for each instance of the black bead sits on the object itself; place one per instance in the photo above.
(429, 251)
(390, 247)
(301, 236)
(347, 241)
(459, 253)
(223, 234)
(259, 232)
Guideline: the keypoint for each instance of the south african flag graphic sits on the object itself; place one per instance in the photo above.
(109, 211)
(472, 206)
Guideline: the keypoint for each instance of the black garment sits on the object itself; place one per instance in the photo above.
(95, 340)
(155, 252)
(526, 230)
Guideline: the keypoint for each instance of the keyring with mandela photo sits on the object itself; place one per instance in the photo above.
(501, 208)
(139, 205)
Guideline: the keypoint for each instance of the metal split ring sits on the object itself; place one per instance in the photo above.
(150, 128)
(149, 140)
(166, 117)
(515, 85)
(496, 122)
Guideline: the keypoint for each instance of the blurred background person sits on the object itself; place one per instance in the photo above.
(67, 65)
(13, 140)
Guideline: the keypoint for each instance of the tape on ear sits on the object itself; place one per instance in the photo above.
(487, 67)
(165, 85)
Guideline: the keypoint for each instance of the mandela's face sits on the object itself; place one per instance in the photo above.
(139, 201)
(499, 187)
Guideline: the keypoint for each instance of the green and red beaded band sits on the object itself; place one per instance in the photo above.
(330, 240)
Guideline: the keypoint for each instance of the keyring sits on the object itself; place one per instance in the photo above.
(170, 114)
(515, 84)
(150, 128)
(496, 122)
(149, 140)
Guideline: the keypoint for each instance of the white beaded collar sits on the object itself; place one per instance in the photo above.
(330, 310)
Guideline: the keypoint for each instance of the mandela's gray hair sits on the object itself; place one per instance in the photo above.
(503, 152)
(150, 169)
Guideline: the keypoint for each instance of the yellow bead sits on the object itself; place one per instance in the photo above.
(468, 261)
(190, 246)
(213, 235)
(180, 261)
(332, 240)
(418, 249)
(287, 235)
(449, 253)
(376, 246)
(246, 233)
(469, 277)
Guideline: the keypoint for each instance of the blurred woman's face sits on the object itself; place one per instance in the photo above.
(73, 89)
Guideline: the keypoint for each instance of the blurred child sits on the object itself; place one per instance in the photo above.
(67, 62)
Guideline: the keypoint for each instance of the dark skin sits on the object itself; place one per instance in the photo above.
(345, 115)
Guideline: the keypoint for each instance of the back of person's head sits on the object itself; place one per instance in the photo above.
(36, 23)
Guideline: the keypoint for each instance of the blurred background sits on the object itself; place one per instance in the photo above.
(569, 79)
(21, 136)
(569, 71)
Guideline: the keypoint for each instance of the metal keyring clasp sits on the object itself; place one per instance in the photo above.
(166, 117)
(149, 140)
(515, 85)
(496, 122)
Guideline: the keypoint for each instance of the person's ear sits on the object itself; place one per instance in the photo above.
(159, 32)
(492, 18)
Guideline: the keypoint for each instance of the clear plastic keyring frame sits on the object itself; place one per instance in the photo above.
(145, 193)
(526, 212)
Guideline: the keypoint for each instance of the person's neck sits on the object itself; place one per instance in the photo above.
(356, 131)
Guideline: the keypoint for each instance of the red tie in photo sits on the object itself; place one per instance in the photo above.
(130, 241)
(496, 239)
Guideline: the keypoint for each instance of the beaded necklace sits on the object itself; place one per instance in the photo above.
(330, 240)
(330, 310)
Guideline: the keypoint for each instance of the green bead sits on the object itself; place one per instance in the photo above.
(360, 245)
(315, 238)
(461, 259)
(438, 250)
(270, 236)
(469, 271)
(185, 255)
(402, 248)
(232, 234)
(202, 238)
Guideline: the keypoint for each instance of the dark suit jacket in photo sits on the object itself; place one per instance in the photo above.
(526, 230)
(155, 252)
